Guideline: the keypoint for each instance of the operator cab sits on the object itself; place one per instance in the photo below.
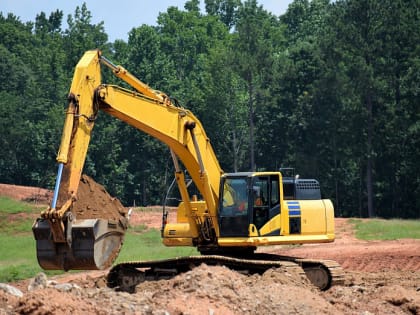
(247, 199)
(251, 200)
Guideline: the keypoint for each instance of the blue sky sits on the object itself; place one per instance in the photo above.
(119, 16)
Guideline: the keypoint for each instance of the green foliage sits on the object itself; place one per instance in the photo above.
(376, 229)
(226, 10)
(82, 35)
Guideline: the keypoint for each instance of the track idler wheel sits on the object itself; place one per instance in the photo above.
(323, 273)
(319, 276)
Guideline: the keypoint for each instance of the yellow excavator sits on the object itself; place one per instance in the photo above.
(235, 214)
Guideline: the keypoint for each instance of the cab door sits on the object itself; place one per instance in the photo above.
(266, 203)
(234, 214)
(260, 200)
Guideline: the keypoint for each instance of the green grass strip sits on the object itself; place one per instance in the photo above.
(379, 229)
(18, 260)
(148, 246)
(10, 206)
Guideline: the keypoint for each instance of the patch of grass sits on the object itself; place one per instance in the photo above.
(18, 260)
(16, 217)
(379, 229)
(10, 206)
(148, 246)
(17, 226)
(17, 272)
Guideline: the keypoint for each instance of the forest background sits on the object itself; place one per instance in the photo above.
(331, 88)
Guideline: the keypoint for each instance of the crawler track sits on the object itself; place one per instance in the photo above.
(322, 273)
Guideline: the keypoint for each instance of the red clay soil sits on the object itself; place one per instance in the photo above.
(94, 202)
(26, 193)
(357, 255)
(382, 277)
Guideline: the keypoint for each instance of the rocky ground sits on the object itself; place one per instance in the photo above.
(382, 277)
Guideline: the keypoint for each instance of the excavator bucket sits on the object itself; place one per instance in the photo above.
(95, 243)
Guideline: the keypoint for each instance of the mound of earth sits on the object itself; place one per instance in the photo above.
(215, 290)
(94, 202)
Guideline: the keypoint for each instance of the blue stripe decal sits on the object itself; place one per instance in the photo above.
(294, 212)
(293, 207)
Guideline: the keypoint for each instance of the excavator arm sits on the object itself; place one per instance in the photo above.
(78, 125)
(58, 232)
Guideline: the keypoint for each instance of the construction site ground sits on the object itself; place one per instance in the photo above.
(382, 277)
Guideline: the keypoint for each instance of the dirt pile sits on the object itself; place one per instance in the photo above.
(392, 294)
(94, 202)
(217, 290)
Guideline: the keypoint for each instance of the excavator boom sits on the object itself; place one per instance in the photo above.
(65, 241)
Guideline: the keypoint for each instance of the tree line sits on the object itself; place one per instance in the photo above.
(331, 88)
